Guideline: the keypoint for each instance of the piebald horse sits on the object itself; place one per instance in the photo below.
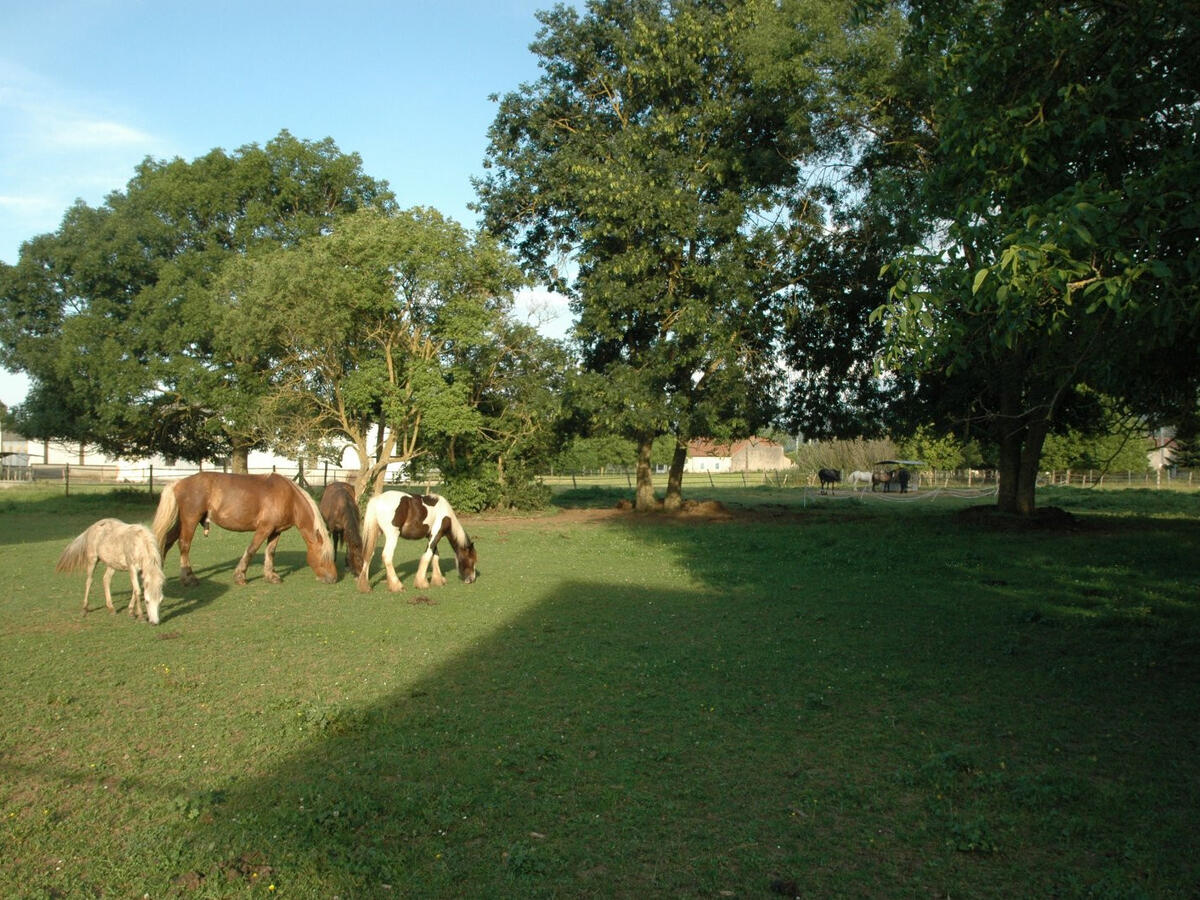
(429, 518)
(268, 505)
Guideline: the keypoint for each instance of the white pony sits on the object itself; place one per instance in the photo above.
(427, 518)
(859, 477)
(131, 548)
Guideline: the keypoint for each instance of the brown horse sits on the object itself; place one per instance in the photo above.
(268, 505)
(340, 511)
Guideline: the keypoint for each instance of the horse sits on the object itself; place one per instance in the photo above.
(427, 518)
(884, 478)
(268, 505)
(900, 476)
(339, 508)
(859, 477)
(829, 477)
(124, 547)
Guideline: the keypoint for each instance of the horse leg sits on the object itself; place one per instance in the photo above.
(438, 578)
(135, 601)
(239, 573)
(187, 530)
(420, 580)
(87, 585)
(108, 574)
(389, 553)
(428, 557)
(269, 573)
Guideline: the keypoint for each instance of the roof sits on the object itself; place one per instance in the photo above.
(899, 462)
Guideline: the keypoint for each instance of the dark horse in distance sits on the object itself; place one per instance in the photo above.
(268, 505)
(829, 477)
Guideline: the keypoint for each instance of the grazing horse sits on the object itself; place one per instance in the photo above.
(128, 548)
(427, 518)
(339, 508)
(829, 477)
(884, 478)
(859, 477)
(268, 505)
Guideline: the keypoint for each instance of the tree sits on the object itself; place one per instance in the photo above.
(113, 315)
(645, 155)
(1050, 161)
(362, 326)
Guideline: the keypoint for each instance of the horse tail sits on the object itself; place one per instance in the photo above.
(75, 557)
(318, 523)
(165, 518)
(352, 532)
(371, 534)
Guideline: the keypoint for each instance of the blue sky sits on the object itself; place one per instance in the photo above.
(89, 88)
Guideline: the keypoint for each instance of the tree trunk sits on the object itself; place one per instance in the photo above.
(239, 460)
(644, 498)
(1020, 456)
(674, 498)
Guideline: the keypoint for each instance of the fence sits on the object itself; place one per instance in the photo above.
(150, 476)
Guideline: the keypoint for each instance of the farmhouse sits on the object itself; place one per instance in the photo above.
(754, 454)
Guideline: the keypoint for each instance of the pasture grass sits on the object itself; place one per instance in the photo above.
(819, 698)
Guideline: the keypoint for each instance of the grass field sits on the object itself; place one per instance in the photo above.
(815, 697)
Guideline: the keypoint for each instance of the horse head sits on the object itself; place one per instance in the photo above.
(466, 558)
(320, 558)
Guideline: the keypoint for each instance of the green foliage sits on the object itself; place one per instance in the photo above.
(114, 317)
(646, 153)
(1052, 195)
(938, 452)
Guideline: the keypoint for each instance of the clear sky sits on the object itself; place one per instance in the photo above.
(89, 88)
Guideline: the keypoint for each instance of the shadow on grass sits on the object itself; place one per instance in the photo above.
(797, 723)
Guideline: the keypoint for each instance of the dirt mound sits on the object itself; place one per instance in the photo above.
(1046, 518)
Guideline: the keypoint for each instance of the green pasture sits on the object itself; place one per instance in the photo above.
(819, 697)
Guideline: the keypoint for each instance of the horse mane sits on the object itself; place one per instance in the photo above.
(458, 535)
(318, 522)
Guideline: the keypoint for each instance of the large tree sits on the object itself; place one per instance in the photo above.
(1048, 155)
(367, 328)
(638, 174)
(114, 317)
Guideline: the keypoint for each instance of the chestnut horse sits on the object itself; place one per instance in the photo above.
(340, 511)
(268, 505)
(427, 518)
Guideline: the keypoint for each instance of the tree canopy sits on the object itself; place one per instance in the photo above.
(114, 317)
(1048, 159)
(638, 175)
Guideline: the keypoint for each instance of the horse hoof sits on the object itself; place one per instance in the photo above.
(273, 578)
(239, 578)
